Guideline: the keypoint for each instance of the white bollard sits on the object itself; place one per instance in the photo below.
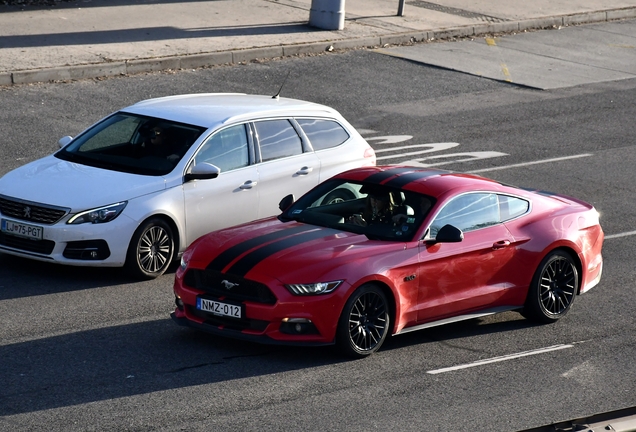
(327, 14)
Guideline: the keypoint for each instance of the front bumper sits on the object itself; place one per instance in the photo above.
(279, 318)
(79, 245)
(182, 320)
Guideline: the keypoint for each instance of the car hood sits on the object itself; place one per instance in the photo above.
(290, 251)
(56, 182)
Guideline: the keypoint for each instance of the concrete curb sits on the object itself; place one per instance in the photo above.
(193, 61)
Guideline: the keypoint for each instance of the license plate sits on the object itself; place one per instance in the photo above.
(22, 229)
(219, 308)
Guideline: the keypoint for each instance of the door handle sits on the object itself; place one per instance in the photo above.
(304, 170)
(500, 244)
(248, 185)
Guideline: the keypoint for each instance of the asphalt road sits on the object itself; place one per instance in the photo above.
(89, 349)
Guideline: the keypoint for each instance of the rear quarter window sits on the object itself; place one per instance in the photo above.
(323, 134)
(512, 207)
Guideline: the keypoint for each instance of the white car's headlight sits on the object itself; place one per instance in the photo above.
(98, 215)
(313, 288)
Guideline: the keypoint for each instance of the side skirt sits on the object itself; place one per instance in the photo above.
(482, 313)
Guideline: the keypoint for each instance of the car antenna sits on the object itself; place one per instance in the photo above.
(281, 87)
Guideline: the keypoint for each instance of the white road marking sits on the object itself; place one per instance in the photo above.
(431, 148)
(532, 163)
(625, 234)
(502, 358)
(471, 156)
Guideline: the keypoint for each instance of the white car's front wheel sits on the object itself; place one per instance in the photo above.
(151, 249)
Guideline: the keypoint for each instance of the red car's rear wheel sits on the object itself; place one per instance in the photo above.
(553, 288)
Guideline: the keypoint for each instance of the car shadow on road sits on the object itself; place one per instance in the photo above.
(499, 323)
(140, 358)
(21, 277)
(126, 360)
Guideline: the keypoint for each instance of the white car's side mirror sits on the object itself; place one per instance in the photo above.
(202, 171)
(64, 141)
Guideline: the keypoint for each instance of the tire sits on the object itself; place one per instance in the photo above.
(338, 196)
(364, 323)
(151, 250)
(554, 286)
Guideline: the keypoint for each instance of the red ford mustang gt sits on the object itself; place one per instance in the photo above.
(388, 250)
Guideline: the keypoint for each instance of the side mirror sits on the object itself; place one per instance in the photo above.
(449, 234)
(286, 202)
(64, 141)
(202, 171)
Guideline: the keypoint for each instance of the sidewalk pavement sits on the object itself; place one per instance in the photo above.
(99, 38)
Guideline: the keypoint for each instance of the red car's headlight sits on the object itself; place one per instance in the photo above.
(313, 288)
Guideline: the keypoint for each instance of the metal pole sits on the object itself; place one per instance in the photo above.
(401, 8)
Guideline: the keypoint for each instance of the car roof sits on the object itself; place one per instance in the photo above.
(211, 110)
(430, 181)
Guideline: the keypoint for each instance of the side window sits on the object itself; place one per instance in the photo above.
(468, 212)
(323, 134)
(512, 207)
(227, 149)
(277, 139)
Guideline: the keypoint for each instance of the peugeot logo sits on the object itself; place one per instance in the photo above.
(228, 285)
(27, 212)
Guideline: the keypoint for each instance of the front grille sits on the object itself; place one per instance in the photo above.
(229, 323)
(30, 211)
(229, 286)
(44, 247)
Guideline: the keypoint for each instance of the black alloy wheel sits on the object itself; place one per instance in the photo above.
(151, 249)
(553, 288)
(364, 323)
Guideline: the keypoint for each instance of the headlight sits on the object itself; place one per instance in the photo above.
(185, 258)
(314, 288)
(98, 215)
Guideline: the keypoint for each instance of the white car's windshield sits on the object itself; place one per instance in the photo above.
(134, 144)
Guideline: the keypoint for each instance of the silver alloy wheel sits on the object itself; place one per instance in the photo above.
(557, 286)
(337, 196)
(154, 250)
(368, 322)
(151, 250)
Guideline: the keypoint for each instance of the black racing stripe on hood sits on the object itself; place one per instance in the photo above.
(230, 254)
(245, 264)
(410, 177)
(383, 175)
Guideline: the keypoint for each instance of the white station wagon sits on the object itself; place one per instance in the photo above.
(140, 185)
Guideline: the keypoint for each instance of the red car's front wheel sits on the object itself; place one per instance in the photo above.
(364, 323)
